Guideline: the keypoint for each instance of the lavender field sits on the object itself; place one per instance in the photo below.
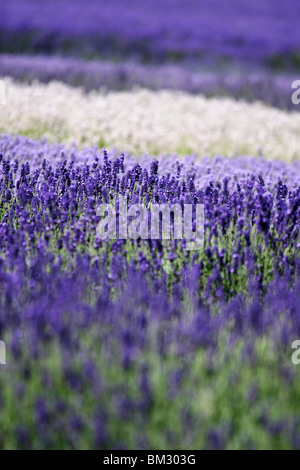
(139, 343)
(236, 30)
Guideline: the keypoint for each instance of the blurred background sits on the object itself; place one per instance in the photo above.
(240, 48)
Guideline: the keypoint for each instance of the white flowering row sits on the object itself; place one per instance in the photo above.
(144, 121)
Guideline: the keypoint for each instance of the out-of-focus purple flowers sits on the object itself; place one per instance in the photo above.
(242, 84)
(154, 29)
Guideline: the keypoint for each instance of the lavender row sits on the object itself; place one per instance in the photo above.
(251, 86)
(144, 371)
(127, 344)
(155, 29)
(204, 170)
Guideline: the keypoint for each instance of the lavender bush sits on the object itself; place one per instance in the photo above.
(123, 344)
(143, 121)
(155, 29)
(241, 84)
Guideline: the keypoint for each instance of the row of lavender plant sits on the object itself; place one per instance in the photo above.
(155, 30)
(261, 85)
(125, 344)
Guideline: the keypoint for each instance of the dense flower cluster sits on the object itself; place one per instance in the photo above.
(154, 29)
(146, 344)
(260, 85)
(103, 334)
(157, 122)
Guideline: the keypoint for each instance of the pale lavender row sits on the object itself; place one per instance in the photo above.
(203, 171)
(241, 29)
(251, 86)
